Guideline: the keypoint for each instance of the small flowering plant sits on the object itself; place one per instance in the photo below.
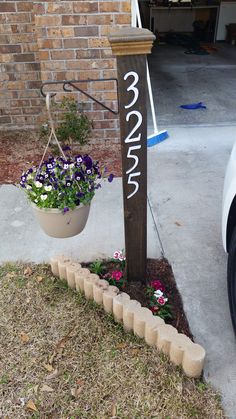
(158, 301)
(117, 275)
(63, 183)
(119, 257)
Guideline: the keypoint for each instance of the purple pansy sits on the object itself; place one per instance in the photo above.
(79, 159)
(110, 178)
(79, 176)
(88, 161)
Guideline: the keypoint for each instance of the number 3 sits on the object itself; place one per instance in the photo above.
(132, 87)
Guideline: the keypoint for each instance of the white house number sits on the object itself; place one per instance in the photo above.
(133, 137)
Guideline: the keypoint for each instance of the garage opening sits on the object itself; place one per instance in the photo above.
(193, 60)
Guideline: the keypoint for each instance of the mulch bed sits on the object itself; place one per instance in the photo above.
(20, 150)
(158, 269)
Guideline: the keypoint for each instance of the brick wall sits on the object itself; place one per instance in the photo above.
(19, 71)
(64, 40)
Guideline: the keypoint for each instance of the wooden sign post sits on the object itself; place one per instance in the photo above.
(131, 45)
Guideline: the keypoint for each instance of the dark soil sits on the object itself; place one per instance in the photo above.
(159, 269)
(20, 150)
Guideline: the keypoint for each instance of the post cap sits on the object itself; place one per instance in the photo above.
(131, 41)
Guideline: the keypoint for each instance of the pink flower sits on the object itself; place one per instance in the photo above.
(117, 275)
(157, 285)
(154, 309)
(161, 301)
(117, 254)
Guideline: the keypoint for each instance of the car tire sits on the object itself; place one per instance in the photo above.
(231, 279)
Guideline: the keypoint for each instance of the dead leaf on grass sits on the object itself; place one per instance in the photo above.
(28, 271)
(35, 389)
(122, 345)
(31, 406)
(39, 278)
(24, 338)
(113, 410)
(47, 389)
(135, 351)
(75, 392)
(11, 275)
(48, 367)
(54, 374)
(80, 382)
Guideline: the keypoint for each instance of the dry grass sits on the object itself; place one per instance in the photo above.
(62, 357)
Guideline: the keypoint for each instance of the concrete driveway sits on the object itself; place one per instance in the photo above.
(185, 192)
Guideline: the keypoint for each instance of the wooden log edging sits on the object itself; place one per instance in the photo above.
(180, 349)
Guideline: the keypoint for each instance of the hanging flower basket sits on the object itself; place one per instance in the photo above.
(61, 189)
(60, 224)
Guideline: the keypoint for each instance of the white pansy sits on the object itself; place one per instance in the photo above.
(29, 177)
(43, 197)
(158, 293)
(48, 188)
(28, 187)
(38, 184)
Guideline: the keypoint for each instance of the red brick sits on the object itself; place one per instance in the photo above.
(63, 55)
(88, 53)
(24, 6)
(7, 7)
(75, 43)
(86, 31)
(50, 43)
(122, 19)
(5, 119)
(9, 49)
(24, 57)
(74, 20)
(85, 7)
(109, 6)
(60, 8)
(100, 19)
(50, 20)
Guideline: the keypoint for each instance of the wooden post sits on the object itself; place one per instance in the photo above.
(131, 45)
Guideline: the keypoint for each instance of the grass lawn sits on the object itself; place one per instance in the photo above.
(63, 357)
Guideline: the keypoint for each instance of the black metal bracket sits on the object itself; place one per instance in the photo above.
(69, 85)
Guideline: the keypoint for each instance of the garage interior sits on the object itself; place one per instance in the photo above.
(193, 60)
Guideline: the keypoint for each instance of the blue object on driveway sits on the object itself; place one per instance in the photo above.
(193, 106)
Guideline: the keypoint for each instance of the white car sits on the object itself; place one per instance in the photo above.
(229, 231)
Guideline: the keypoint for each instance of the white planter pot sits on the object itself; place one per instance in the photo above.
(57, 224)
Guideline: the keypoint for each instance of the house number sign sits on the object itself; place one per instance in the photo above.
(133, 138)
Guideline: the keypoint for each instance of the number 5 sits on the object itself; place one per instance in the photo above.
(133, 182)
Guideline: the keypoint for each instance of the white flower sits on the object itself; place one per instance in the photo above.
(29, 177)
(28, 187)
(48, 188)
(43, 197)
(158, 293)
(38, 184)
(117, 254)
